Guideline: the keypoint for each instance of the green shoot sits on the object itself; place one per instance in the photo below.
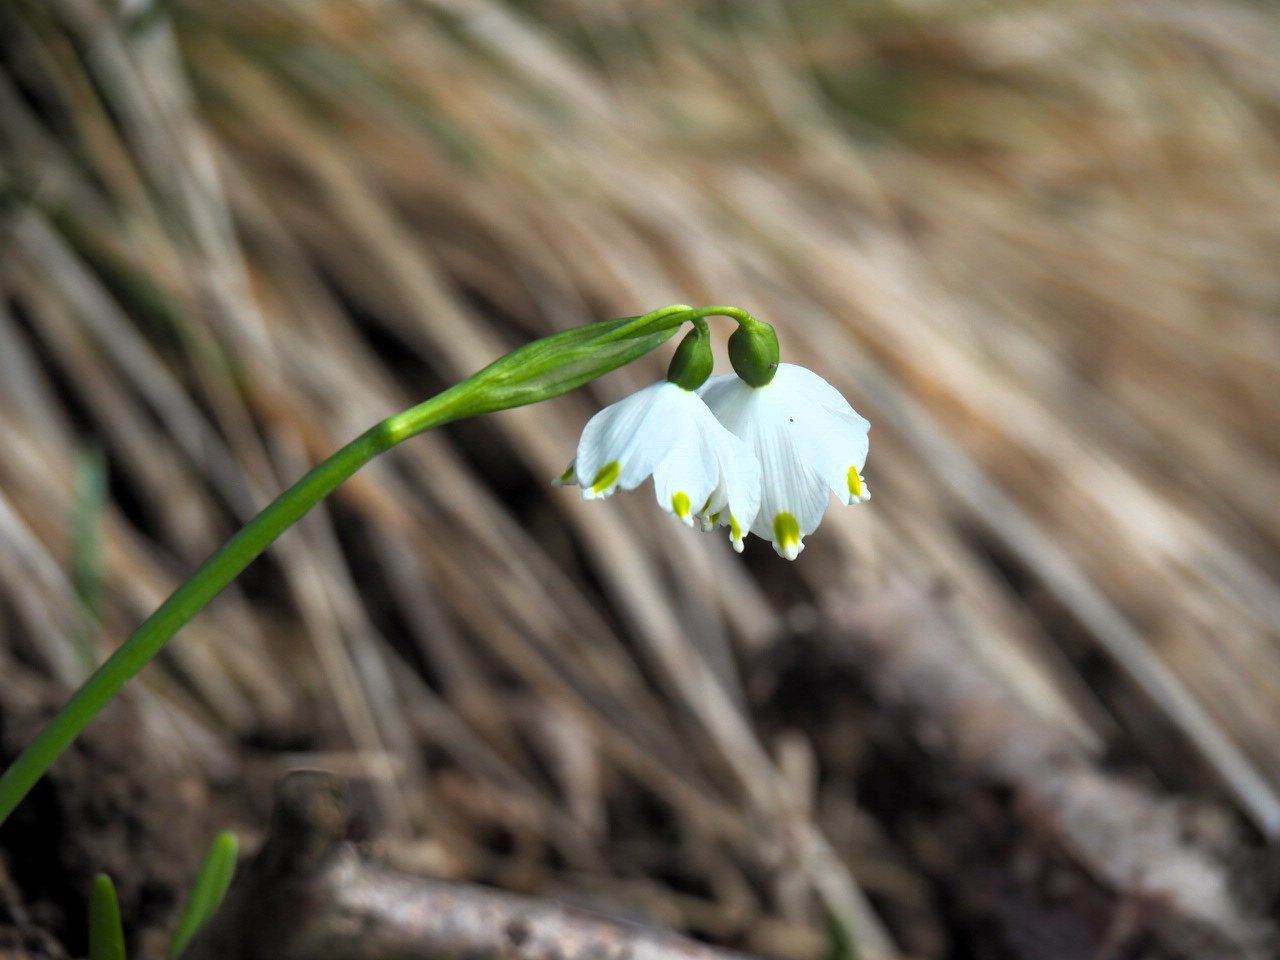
(86, 549)
(841, 944)
(106, 934)
(207, 891)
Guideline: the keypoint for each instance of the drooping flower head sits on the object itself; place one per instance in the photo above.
(758, 451)
(809, 442)
(667, 432)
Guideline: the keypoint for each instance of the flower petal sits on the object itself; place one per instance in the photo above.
(837, 446)
(622, 444)
(831, 434)
(793, 495)
(736, 499)
(763, 460)
(687, 475)
(809, 442)
(570, 476)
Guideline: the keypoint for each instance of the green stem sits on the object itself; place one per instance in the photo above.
(537, 371)
(207, 582)
(734, 313)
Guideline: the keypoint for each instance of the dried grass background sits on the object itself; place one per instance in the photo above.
(1034, 243)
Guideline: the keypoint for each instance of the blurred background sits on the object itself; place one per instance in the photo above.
(1022, 704)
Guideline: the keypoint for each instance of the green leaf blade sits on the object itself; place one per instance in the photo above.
(207, 892)
(106, 932)
(87, 561)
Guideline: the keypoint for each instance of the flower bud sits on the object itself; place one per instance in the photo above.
(692, 362)
(753, 351)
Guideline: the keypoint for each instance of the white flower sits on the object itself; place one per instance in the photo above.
(699, 468)
(808, 440)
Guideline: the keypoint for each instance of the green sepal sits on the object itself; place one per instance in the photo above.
(753, 351)
(693, 360)
(106, 932)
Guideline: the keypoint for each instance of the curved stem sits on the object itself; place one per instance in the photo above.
(537, 371)
(208, 581)
(733, 313)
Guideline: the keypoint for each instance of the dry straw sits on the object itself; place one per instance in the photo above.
(1034, 245)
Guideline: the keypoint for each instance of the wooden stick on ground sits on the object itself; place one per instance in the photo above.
(310, 894)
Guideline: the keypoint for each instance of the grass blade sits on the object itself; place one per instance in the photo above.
(106, 934)
(87, 571)
(207, 892)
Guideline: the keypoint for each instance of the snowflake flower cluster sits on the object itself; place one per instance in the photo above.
(756, 459)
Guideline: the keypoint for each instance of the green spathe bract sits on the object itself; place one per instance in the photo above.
(538, 371)
(556, 364)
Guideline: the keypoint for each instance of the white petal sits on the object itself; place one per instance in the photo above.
(684, 480)
(763, 460)
(736, 499)
(622, 444)
(789, 482)
(806, 387)
(830, 433)
(728, 398)
(743, 483)
(840, 460)
(569, 478)
(666, 431)
(697, 461)
(806, 437)
(836, 446)
(790, 487)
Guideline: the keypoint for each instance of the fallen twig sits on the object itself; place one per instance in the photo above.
(310, 894)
